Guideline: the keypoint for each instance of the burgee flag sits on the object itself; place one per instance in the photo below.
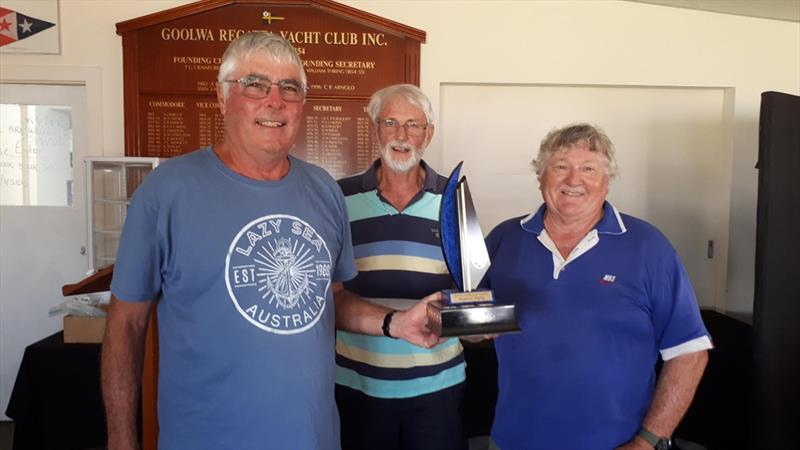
(15, 26)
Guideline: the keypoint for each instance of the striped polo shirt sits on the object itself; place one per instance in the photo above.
(399, 261)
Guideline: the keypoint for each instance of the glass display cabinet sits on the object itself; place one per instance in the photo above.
(110, 183)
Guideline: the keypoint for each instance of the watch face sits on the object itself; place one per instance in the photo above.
(663, 444)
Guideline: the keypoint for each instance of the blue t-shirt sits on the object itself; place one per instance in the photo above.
(242, 270)
(580, 375)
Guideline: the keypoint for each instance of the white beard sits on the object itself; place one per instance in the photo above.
(401, 165)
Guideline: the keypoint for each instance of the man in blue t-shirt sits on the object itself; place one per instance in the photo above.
(600, 296)
(239, 246)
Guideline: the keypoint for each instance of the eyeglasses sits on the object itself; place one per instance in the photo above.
(257, 88)
(413, 128)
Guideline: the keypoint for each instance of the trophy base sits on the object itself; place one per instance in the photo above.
(450, 321)
(454, 297)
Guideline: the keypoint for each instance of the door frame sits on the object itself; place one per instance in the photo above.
(90, 79)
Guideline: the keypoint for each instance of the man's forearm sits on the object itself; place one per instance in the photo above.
(121, 370)
(675, 389)
(357, 315)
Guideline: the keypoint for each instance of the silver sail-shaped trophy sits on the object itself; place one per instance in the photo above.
(466, 310)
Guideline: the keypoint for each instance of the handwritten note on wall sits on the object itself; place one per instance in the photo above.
(36, 167)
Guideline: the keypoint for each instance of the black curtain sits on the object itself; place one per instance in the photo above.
(776, 307)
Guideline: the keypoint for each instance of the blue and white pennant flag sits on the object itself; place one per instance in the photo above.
(15, 26)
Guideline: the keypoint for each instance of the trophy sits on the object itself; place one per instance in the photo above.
(466, 310)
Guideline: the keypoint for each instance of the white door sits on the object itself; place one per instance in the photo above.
(42, 216)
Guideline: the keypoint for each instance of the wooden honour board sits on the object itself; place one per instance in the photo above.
(171, 59)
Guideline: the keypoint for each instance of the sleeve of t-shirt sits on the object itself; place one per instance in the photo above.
(137, 270)
(345, 268)
(676, 315)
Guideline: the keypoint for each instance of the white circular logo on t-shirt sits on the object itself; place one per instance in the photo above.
(278, 274)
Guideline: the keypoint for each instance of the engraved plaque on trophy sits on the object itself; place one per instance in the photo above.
(466, 310)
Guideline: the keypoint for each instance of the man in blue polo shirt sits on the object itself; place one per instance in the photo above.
(392, 395)
(599, 295)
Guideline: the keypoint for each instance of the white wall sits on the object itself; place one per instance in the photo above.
(509, 42)
(671, 149)
(616, 43)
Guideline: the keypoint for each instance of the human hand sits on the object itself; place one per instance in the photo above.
(411, 325)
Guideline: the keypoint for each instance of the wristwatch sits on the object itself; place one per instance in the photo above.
(658, 443)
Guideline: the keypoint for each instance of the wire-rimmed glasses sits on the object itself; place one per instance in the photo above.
(413, 128)
(256, 87)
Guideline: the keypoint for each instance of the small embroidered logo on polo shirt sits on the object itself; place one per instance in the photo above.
(608, 279)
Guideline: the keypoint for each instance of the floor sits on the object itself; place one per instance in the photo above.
(7, 437)
(6, 434)
(479, 443)
(476, 443)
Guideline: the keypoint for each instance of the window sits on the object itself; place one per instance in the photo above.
(36, 161)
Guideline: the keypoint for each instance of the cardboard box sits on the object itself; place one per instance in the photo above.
(84, 329)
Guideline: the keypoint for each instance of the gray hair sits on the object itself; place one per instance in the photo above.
(574, 135)
(409, 92)
(245, 46)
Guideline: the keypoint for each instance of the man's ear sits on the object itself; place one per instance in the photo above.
(429, 132)
(221, 98)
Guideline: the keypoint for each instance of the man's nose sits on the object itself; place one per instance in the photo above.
(401, 133)
(273, 98)
(573, 176)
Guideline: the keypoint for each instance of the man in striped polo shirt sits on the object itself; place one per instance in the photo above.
(391, 394)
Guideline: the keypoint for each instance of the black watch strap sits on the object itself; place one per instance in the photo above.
(387, 320)
(659, 443)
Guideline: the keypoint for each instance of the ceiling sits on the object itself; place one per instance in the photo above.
(788, 10)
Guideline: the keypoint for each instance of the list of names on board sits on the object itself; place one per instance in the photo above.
(337, 136)
(347, 55)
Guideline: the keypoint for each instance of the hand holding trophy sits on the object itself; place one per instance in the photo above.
(466, 310)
